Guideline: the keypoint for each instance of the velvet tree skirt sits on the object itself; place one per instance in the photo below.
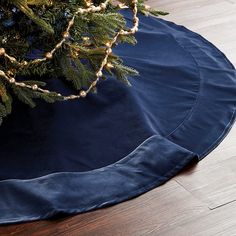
(72, 157)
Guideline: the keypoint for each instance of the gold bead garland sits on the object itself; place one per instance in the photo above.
(83, 94)
(65, 35)
(49, 55)
(12, 80)
(2, 51)
(109, 65)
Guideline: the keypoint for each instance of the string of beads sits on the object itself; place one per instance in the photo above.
(65, 35)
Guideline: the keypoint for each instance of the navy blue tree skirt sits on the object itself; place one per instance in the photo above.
(78, 156)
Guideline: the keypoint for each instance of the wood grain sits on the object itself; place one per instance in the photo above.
(220, 222)
(201, 200)
(215, 185)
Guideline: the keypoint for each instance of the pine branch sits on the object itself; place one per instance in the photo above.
(30, 29)
(23, 5)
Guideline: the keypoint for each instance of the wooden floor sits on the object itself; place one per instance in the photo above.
(199, 201)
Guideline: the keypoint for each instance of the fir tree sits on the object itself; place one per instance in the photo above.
(69, 39)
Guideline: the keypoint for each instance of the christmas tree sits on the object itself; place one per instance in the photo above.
(70, 39)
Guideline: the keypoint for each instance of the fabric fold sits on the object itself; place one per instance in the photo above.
(150, 164)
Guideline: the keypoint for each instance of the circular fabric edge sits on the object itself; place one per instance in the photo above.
(181, 130)
(154, 162)
(143, 166)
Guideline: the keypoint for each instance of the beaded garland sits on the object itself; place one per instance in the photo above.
(65, 35)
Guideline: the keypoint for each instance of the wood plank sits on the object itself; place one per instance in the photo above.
(215, 21)
(220, 222)
(214, 185)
